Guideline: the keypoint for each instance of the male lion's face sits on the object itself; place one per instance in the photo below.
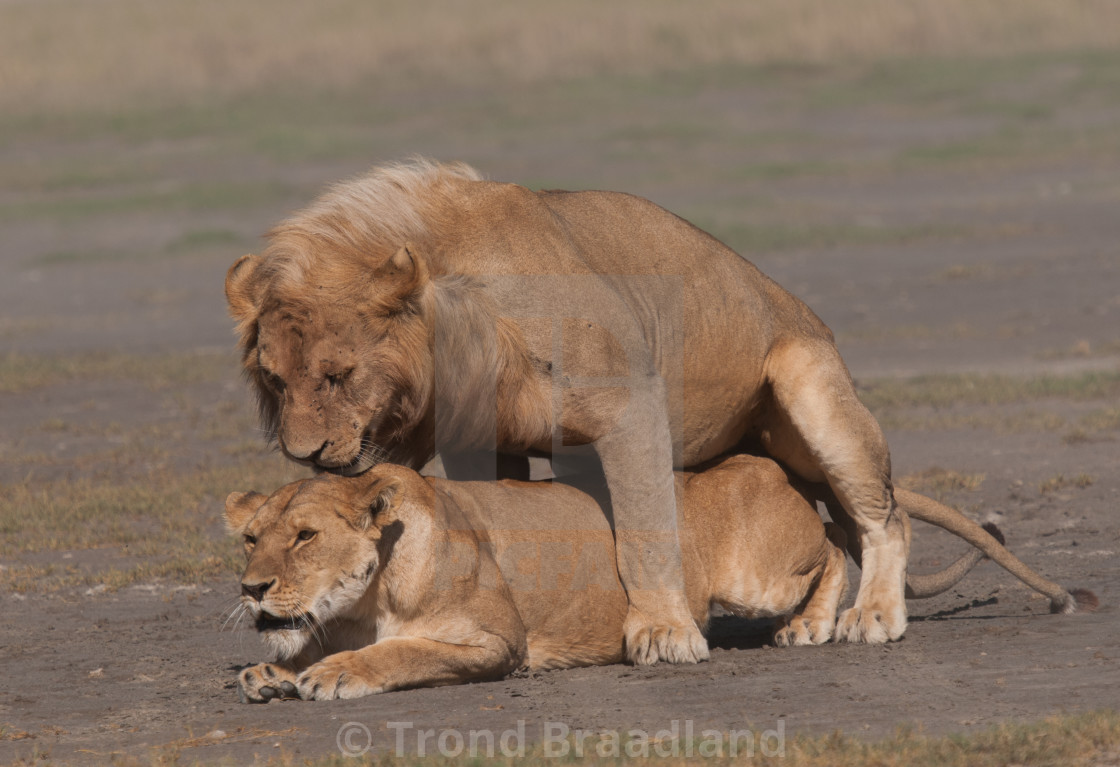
(341, 362)
(312, 551)
(331, 378)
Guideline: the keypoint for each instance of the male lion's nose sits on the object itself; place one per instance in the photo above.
(312, 455)
(256, 590)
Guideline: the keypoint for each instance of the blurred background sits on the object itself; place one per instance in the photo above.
(936, 178)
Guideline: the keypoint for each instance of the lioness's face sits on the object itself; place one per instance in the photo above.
(312, 551)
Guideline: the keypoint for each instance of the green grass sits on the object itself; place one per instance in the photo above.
(1019, 421)
(982, 389)
(25, 372)
(186, 198)
(190, 243)
(769, 237)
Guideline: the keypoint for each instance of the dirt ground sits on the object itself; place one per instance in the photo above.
(1006, 266)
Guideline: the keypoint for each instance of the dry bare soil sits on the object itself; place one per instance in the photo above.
(955, 223)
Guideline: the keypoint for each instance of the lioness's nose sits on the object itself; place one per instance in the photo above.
(256, 590)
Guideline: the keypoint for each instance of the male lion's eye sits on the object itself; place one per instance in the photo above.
(306, 535)
(335, 380)
(274, 382)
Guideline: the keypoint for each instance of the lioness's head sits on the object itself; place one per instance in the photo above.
(315, 546)
(338, 350)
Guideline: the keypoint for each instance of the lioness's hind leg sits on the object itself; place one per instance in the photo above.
(817, 619)
(823, 432)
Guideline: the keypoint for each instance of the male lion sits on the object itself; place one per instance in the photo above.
(420, 308)
(389, 580)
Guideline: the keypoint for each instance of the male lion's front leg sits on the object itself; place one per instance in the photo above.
(402, 662)
(637, 459)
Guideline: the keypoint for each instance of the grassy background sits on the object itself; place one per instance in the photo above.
(57, 54)
(154, 143)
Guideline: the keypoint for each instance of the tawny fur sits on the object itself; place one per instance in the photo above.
(406, 581)
(419, 308)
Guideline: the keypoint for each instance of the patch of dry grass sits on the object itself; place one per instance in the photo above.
(1069, 740)
(937, 482)
(164, 526)
(1061, 482)
(57, 54)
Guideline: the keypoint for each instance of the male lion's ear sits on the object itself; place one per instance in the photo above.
(405, 274)
(240, 508)
(241, 289)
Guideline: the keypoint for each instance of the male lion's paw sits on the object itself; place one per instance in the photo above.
(647, 643)
(870, 626)
(265, 682)
(799, 632)
(337, 676)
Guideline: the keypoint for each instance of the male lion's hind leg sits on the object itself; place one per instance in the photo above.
(265, 682)
(821, 430)
(817, 619)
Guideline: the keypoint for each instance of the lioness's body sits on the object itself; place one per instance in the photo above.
(422, 308)
(750, 542)
(471, 580)
(407, 581)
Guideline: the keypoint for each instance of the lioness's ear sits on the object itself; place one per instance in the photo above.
(241, 290)
(240, 508)
(379, 500)
(405, 274)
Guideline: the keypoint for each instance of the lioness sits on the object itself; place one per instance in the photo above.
(420, 308)
(389, 580)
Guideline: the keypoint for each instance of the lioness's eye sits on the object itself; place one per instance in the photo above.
(306, 535)
(250, 539)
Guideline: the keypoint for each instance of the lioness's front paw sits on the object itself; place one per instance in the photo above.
(798, 632)
(647, 643)
(870, 626)
(337, 676)
(265, 682)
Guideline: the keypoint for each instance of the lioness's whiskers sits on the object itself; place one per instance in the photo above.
(233, 613)
(311, 621)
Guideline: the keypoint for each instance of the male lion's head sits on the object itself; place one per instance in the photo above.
(338, 349)
(315, 546)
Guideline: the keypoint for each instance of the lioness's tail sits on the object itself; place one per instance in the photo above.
(926, 586)
(928, 510)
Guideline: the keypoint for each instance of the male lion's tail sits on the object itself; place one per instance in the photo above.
(928, 510)
(932, 584)
(988, 541)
